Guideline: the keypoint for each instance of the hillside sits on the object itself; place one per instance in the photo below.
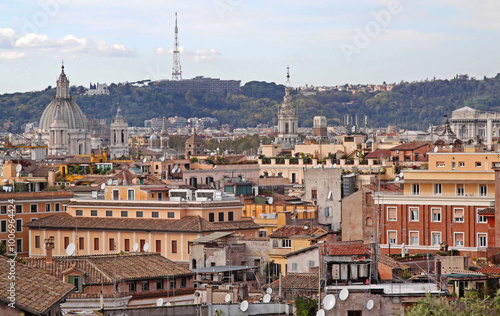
(408, 105)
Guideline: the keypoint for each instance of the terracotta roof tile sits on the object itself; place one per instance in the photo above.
(411, 146)
(36, 291)
(490, 270)
(346, 250)
(379, 153)
(186, 224)
(289, 231)
(303, 281)
(388, 261)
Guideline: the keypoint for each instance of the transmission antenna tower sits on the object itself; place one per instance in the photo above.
(176, 65)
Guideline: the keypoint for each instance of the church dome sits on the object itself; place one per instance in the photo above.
(69, 110)
(153, 137)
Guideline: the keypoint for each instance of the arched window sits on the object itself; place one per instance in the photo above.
(194, 264)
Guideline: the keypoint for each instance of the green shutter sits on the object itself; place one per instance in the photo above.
(70, 279)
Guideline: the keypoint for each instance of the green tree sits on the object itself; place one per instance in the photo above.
(306, 306)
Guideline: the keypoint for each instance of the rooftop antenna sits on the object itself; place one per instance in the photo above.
(176, 65)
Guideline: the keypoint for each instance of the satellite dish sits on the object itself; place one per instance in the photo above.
(215, 166)
(331, 166)
(436, 149)
(397, 179)
(321, 312)
(329, 302)
(271, 200)
(334, 165)
(146, 247)
(168, 304)
(19, 168)
(244, 306)
(159, 302)
(197, 294)
(267, 298)
(110, 182)
(227, 298)
(269, 290)
(401, 174)
(344, 294)
(17, 175)
(71, 249)
(103, 185)
(135, 247)
(370, 304)
(162, 159)
(144, 160)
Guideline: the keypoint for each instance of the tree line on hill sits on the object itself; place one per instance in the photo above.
(409, 105)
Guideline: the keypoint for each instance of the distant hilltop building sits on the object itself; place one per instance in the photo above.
(200, 83)
(468, 123)
(97, 89)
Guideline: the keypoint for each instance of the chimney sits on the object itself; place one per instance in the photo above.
(49, 245)
(438, 270)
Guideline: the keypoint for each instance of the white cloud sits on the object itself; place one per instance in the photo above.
(7, 37)
(11, 55)
(198, 55)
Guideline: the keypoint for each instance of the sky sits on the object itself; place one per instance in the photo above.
(324, 42)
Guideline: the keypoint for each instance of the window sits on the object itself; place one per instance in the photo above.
(76, 280)
(3, 225)
(286, 243)
(415, 189)
(478, 164)
(459, 239)
(19, 225)
(294, 267)
(172, 284)
(312, 263)
(79, 212)
(130, 195)
(155, 214)
(328, 211)
(171, 215)
(139, 214)
(481, 218)
(414, 238)
(57, 207)
(116, 195)
(124, 213)
(158, 246)
(452, 165)
(19, 245)
(440, 164)
(392, 237)
(483, 190)
(109, 213)
(211, 217)
(3, 209)
(131, 287)
(230, 216)
(96, 243)
(461, 164)
(460, 190)
(438, 190)
(413, 214)
(160, 196)
(127, 244)
(145, 286)
(314, 194)
(93, 212)
(37, 242)
(183, 282)
(436, 239)
(142, 242)
(19, 209)
(111, 244)
(66, 242)
(221, 216)
(81, 243)
(174, 246)
(482, 240)
(47, 207)
(392, 214)
(276, 243)
(436, 214)
(159, 285)
(458, 217)
(34, 208)
(263, 233)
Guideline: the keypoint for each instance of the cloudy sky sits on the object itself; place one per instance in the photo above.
(325, 42)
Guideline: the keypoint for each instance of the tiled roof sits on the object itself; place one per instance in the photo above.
(388, 261)
(186, 224)
(289, 231)
(36, 291)
(78, 160)
(490, 270)
(107, 268)
(379, 153)
(43, 171)
(410, 146)
(487, 211)
(152, 180)
(346, 250)
(303, 281)
(149, 203)
(385, 187)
